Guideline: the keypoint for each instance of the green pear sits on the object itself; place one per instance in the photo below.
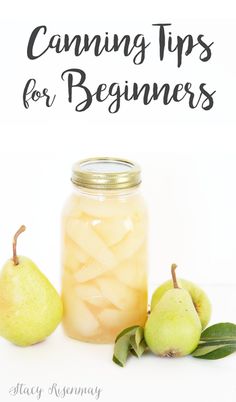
(200, 300)
(30, 307)
(173, 328)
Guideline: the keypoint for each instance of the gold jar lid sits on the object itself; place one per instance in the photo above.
(106, 173)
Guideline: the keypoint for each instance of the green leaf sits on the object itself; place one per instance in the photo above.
(125, 331)
(217, 341)
(139, 335)
(214, 352)
(115, 360)
(204, 350)
(137, 342)
(222, 331)
(129, 340)
(121, 351)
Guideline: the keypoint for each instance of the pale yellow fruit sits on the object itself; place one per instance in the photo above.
(90, 293)
(30, 307)
(90, 271)
(112, 231)
(117, 293)
(73, 256)
(199, 297)
(86, 238)
(114, 318)
(173, 328)
(131, 243)
(131, 274)
(78, 319)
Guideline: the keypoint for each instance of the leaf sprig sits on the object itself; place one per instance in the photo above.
(130, 340)
(216, 342)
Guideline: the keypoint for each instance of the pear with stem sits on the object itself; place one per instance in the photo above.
(173, 328)
(200, 299)
(30, 307)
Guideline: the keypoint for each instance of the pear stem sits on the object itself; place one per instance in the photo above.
(174, 279)
(14, 243)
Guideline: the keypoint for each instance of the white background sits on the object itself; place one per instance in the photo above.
(188, 158)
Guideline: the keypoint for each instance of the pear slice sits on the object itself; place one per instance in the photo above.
(112, 231)
(89, 271)
(86, 238)
(120, 295)
(131, 243)
(78, 320)
(114, 318)
(73, 256)
(90, 293)
(132, 272)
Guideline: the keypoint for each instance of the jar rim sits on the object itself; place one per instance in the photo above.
(106, 173)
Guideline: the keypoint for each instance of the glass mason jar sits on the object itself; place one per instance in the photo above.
(104, 251)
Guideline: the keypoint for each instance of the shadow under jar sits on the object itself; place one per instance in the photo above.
(104, 251)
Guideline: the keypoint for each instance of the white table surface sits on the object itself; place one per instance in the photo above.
(67, 362)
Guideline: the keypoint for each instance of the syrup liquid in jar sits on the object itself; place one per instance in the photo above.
(104, 251)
